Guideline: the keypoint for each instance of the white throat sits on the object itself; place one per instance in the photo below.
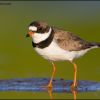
(38, 37)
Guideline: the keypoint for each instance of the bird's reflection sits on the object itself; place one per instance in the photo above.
(73, 91)
(50, 92)
(74, 94)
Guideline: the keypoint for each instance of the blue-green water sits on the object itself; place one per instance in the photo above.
(19, 60)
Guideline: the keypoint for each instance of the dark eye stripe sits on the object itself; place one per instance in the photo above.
(43, 30)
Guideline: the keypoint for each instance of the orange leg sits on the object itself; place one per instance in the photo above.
(53, 73)
(75, 76)
(50, 86)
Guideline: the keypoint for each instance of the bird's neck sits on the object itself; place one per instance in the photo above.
(39, 37)
(45, 43)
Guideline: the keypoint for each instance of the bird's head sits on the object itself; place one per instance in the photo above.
(38, 30)
(38, 27)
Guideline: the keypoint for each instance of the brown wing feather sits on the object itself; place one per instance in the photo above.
(69, 41)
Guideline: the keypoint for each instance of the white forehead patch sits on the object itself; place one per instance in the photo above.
(33, 28)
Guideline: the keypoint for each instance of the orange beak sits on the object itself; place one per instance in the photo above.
(29, 34)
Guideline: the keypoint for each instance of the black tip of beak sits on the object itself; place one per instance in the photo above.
(27, 35)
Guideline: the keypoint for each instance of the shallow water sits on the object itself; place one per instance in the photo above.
(19, 60)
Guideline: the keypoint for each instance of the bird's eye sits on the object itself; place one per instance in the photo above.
(40, 29)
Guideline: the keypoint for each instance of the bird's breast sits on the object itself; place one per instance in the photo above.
(54, 53)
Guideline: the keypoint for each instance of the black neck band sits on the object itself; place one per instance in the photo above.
(44, 43)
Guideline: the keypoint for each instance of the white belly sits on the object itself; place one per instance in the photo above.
(54, 53)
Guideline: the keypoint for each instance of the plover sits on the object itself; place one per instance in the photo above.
(55, 44)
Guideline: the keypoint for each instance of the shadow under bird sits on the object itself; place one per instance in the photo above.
(55, 44)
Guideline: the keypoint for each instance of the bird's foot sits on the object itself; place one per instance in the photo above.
(73, 86)
(73, 90)
(49, 86)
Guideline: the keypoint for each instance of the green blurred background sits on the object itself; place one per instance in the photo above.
(18, 58)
